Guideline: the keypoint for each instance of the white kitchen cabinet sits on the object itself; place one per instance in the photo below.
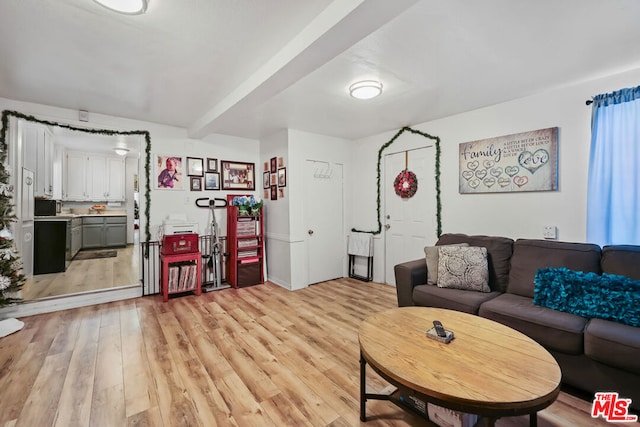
(97, 179)
(116, 174)
(74, 178)
(37, 155)
(94, 177)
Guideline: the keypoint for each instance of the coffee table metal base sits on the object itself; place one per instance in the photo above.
(364, 396)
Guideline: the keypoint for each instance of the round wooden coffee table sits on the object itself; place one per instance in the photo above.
(488, 369)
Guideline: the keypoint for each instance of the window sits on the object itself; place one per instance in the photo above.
(613, 198)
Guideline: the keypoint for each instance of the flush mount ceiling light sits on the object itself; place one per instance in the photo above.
(365, 89)
(121, 147)
(128, 7)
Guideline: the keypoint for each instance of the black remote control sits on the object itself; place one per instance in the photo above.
(439, 329)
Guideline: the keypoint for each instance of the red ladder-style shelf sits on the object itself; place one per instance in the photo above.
(245, 243)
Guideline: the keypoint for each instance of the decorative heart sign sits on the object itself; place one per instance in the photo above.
(467, 175)
(503, 181)
(473, 165)
(533, 161)
(520, 180)
(481, 173)
(496, 171)
(489, 181)
(488, 164)
(512, 170)
(474, 183)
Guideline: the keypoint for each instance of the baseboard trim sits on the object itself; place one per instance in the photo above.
(81, 299)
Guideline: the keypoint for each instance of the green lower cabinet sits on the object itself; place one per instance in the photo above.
(104, 232)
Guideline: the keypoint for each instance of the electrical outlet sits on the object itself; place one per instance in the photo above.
(550, 232)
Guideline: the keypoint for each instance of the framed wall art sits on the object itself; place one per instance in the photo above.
(274, 164)
(211, 181)
(168, 172)
(238, 175)
(274, 192)
(212, 165)
(526, 161)
(196, 183)
(266, 179)
(282, 177)
(194, 166)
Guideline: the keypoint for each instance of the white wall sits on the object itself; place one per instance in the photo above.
(286, 231)
(277, 228)
(515, 215)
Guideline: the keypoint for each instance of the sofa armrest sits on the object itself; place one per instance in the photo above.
(409, 274)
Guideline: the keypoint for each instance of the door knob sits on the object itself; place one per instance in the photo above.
(310, 232)
(387, 226)
(388, 216)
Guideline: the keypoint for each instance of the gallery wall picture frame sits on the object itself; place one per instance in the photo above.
(274, 192)
(266, 180)
(273, 179)
(211, 181)
(195, 166)
(168, 172)
(195, 183)
(212, 165)
(238, 175)
(274, 164)
(282, 177)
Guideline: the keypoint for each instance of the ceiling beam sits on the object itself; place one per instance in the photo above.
(338, 27)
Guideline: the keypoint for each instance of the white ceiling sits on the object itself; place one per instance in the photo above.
(251, 67)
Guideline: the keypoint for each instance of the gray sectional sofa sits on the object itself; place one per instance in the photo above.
(593, 354)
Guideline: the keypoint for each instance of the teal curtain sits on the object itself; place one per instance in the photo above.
(613, 199)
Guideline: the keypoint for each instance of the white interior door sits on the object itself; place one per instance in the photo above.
(409, 224)
(324, 221)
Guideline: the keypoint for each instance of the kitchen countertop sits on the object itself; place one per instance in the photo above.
(64, 217)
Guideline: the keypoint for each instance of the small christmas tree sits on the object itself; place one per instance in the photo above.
(11, 278)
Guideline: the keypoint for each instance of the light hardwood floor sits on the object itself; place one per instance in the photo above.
(258, 356)
(87, 275)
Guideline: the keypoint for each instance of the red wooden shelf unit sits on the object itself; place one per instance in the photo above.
(245, 243)
(180, 273)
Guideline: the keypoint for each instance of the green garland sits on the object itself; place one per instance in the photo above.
(437, 176)
(109, 132)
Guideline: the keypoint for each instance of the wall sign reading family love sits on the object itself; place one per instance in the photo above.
(525, 161)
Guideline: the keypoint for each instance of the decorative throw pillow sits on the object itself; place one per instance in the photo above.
(431, 256)
(609, 297)
(462, 267)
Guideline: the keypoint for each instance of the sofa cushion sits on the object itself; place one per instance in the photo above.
(463, 268)
(613, 344)
(452, 299)
(623, 260)
(590, 295)
(531, 255)
(499, 250)
(552, 329)
(432, 256)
